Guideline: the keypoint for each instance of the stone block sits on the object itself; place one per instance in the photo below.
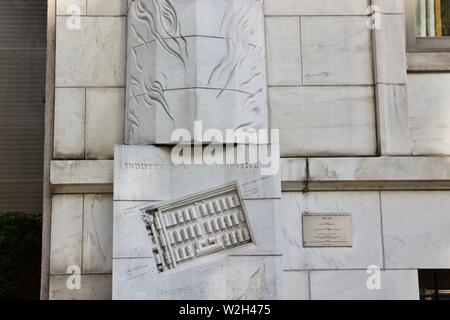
(97, 234)
(69, 127)
(394, 135)
(366, 221)
(81, 172)
(94, 58)
(324, 120)
(93, 287)
(185, 70)
(390, 6)
(336, 51)
(160, 179)
(283, 51)
(105, 109)
(393, 169)
(235, 278)
(296, 285)
(429, 113)
(415, 229)
(106, 7)
(65, 7)
(352, 285)
(316, 7)
(390, 49)
(67, 233)
(293, 174)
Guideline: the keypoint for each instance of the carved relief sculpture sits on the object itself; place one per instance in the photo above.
(185, 230)
(194, 60)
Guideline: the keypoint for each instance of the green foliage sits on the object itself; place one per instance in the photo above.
(20, 250)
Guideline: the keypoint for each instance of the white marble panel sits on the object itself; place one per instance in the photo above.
(81, 172)
(102, 134)
(148, 173)
(69, 127)
(390, 6)
(92, 287)
(336, 51)
(296, 285)
(94, 58)
(130, 236)
(131, 239)
(69, 7)
(97, 233)
(324, 120)
(67, 233)
(182, 108)
(390, 49)
(429, 113)
(366, 220)
(284, 59)
(231, 278)
(352, 285)
(393, 119)
(316, 7)
(379, 169)
(106, 7)
(415, 229)
(293, 174)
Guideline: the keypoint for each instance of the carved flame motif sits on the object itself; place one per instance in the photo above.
(162, 23)
(238, 26)
(181, 66)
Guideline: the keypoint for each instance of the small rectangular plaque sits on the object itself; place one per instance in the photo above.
(327, 230)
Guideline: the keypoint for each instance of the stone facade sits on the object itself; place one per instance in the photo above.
(358, 134)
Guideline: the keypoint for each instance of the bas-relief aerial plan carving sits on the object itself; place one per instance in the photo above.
(196, 60)
(188, 229)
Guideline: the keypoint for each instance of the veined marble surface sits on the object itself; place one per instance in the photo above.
(197, 60)
(144, 175)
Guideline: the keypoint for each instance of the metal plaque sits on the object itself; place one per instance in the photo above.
(327, 230)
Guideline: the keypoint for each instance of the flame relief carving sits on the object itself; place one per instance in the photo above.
(194, 60)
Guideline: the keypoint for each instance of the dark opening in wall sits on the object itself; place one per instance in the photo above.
(23, 43)
(434, 284)
(22, 103)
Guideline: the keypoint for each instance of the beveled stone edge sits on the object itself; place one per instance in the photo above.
(297, 174)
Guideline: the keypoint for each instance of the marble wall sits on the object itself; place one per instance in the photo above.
(89, 120)
(429, 113)
(81, 242)
(335, 89)
(90, 78)
(321, 81)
